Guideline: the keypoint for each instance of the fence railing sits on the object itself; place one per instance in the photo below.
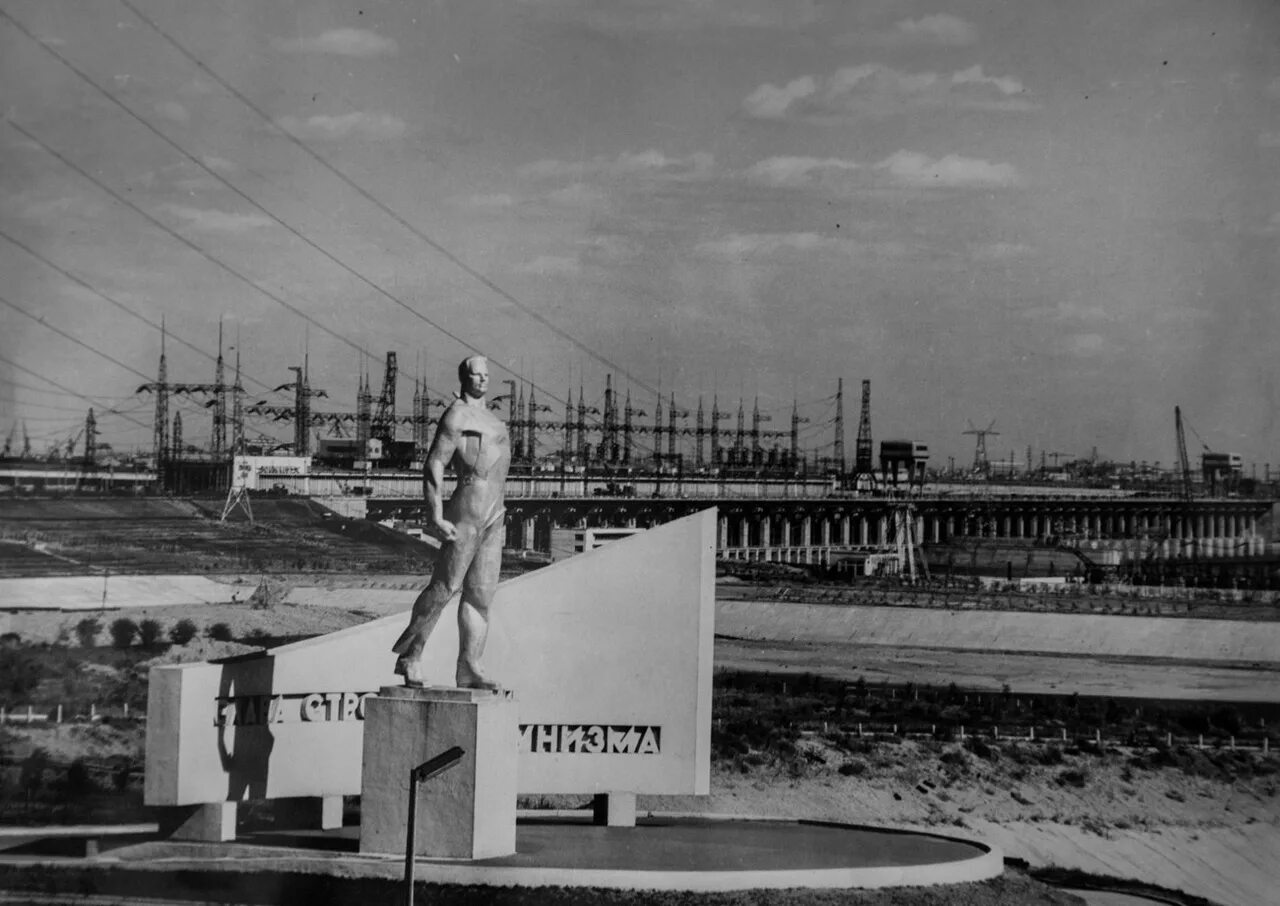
(58, 714)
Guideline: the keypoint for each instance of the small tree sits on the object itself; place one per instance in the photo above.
(123, 631)
(149, 632)
(182, 632)
(219, 632)
(87, 631)
(32, 778)
(79, 781)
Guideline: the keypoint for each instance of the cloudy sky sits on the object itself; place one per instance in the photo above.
(1062, 217)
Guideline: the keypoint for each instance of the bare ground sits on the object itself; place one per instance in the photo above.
(1210, 832)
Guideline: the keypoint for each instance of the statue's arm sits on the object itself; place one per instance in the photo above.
(439, 455)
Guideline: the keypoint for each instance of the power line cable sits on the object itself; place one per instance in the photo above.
(208, 256)
(87, 399)
(448, 255)
(17, 385)
(62, 333)
(120, 305)
(213, 174)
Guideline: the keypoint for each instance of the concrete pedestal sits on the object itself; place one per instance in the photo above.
(467, 812)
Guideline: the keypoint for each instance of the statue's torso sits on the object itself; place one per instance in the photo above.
(480, 460)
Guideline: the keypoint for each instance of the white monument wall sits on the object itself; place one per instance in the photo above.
(609, 653)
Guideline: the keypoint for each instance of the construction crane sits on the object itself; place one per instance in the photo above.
(980, 463)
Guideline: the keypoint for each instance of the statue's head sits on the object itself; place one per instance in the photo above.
(473, 375)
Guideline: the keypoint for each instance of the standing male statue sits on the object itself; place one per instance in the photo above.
(469, 525)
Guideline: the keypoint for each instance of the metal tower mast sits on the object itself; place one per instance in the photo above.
(518, 423)
(364, 416)
(864, 448)
(161, 426)
(672, 414)
(237, 410)
(839, 446)
(90, 439)
(757, 452)
(699, 434)
(219, 445)
(531, 428)
(715, 430)
(567, 452)
(584, 454)
(610, 440)
(980, 462)
(176, 450)
(383, 426)
(740, 439)
(627, 413)
(657, 433)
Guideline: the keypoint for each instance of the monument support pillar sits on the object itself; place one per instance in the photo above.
(469, 812)
(210, 822)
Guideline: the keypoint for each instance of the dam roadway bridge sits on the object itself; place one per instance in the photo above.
(822, 529)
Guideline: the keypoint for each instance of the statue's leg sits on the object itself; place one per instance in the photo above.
(473, 609)
(452, 561)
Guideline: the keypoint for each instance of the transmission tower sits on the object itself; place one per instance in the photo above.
(863, 449)
(219, 402)
(980, 462)
(839, 446)
(90, 439)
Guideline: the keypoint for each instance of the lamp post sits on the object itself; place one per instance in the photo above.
(422, 772)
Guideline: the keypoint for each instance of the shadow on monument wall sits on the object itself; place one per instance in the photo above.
(246, 713)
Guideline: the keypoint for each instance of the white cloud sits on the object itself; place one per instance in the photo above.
(173, 111)
(550, 266)
(344, 42)
(218, 221)
(975, 76)
(770, 102)
(1269, 140)
(940, 28)
(357, 123)
(796, 171)
(651, 162)
(683, 15)
(876, 89)
(915, 169)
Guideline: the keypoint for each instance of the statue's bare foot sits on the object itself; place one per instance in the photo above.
(411, 670)
(470, 678)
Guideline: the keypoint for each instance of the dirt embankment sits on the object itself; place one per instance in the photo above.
(1207, 823)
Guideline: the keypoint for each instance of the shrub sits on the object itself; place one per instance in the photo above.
(1076, 777)
(182, 632)
(87, 631)
(79, 782)
(149, 632)
(20, 672)
(122, 632)
(219, 632)
(853, 768)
